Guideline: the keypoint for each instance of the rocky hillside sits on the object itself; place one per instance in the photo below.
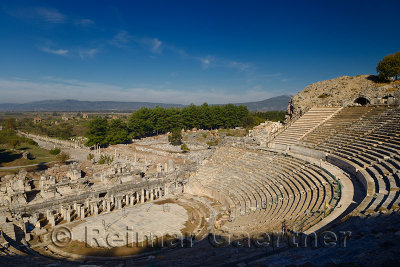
(344, 91)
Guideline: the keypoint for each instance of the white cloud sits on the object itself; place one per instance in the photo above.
(52, 88)
(207, 61)
(121, 39)
(60, 52)
(154, 45)
(50, 15)
(87, 53)
(84, 22)
(238, 65)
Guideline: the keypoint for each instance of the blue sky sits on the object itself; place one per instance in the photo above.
(187, 51)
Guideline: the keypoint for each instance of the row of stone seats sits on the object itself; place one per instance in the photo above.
(304, 124)
(262, 189)
(371, 142)
(342, 119)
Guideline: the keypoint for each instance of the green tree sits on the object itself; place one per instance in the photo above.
(10, 125)
(97, 132)
(175, 138)
(141, 123)
(117, 132)
(389, 67)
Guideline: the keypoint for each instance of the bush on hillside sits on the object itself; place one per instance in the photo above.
(55, 151)
(63, 157)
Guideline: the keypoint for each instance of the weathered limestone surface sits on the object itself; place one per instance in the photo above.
(343, 91)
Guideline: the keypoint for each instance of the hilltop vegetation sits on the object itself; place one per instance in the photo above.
(389, 67)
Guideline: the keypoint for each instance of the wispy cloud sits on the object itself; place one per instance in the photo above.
(82, 53)
(50, 15)
(84, 22)
(121, 39)
(157, 46)
(60, 52)
(21, 91)
(207, 61)
(239, 65)
(87, 53)
(154, 45)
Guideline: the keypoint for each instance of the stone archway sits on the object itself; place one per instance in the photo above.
(362, 101)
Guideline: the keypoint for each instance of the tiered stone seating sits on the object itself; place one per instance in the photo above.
(369, 138)
(261, 189)
(304, 124)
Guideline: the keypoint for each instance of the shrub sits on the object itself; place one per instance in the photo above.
(324, 95)
(175, 138)
(55, 151)
(63, 157)
(90, 156)
(213, 142)
(105, 159)
(185, 148)
(14, 142)
(31, 142)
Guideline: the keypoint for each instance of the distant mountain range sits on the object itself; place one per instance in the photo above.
(275, 103)
(69, 105)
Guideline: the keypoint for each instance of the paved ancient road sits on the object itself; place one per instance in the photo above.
(78, 154)
(24, 166)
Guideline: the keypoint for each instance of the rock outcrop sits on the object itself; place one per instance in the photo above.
(344, 91)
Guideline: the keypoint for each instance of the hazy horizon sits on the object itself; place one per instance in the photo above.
(183, 104)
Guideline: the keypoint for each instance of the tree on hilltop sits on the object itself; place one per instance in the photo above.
(389, 67)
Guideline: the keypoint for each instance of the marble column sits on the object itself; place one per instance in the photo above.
(68, 215)
(51, 220)
(142, 196)
(151, 194)
(49, 213)
(165, 190)
(50, 217)
(108, 206)
(83, 211)
(119, 203)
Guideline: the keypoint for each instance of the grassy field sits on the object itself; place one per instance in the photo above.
(13, 157)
